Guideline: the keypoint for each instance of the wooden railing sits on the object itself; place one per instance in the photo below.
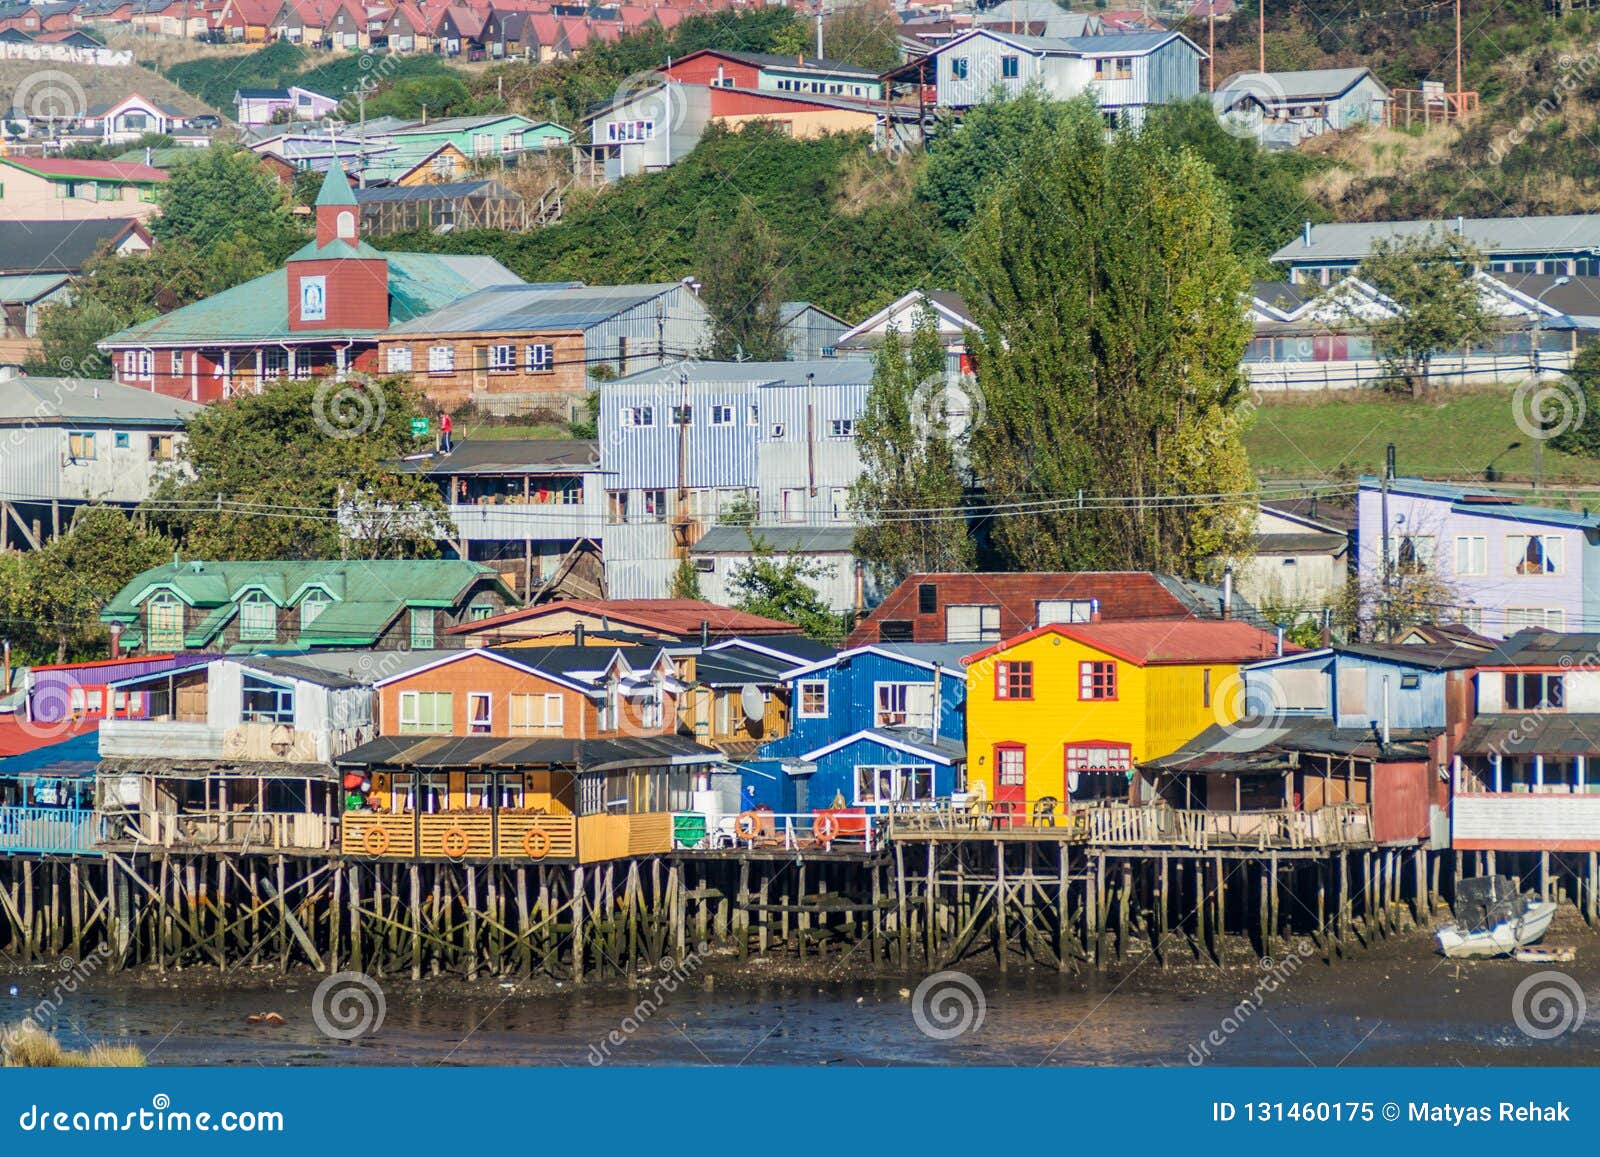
(50, 831)
(267, 831)
(1122, 825)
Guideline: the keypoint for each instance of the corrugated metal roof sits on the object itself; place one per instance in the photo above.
(494, 751)
(782, 539)
(536, 308)
(506, 456)
(17, 288)
(825, 371)
(1353, 240)
(1301, 84)
(42, 401)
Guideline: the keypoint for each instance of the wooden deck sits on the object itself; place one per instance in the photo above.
(515, 836)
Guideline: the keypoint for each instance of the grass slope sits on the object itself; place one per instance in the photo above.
(1457, 435)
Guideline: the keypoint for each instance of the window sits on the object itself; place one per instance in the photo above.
(80, 445)
(881, 785)
(1008, 67)
(176, 362)
(482, 144)
(258, 618)
(1535, 691)
(814, 699)
(722, 415)
(958, 68)
(311, 607)
(794, 504)
(533, 714)
(1013, 680)
(842, 428)
(272, 363)
(1471, 618)
(427, 712)
(502, 358)
(1521, 618)
(682, 415)
(753, 418)
(777, 433)
(1097, 680)
(972, 623)
(1099, 757)
(161, 447)
(655, 505)
(121, 441)
(1410, 682)
(541, 358)
(1532, 554)
(1114, 68)
(165, 622)
(629, 132)
(927, 598)
(1472, 554)
(137, 364)
(903, 705)
(264, 701)
(1049, 611)
(617, 510)
(637, 416)
(441, 359)
(1413, 553)
(477, 612)
(399, 359)
(480, 713)
(421, 628)
(1010, 766)
(895, 631)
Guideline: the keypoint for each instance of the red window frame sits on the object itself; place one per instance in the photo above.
(1122, 759)
(1097, 680)
(1013, 680)
(1000, 751)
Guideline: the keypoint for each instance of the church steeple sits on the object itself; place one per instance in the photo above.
(338, 218)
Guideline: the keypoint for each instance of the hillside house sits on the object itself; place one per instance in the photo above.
(54, 189)
(254, 107)
(643, 620)
(761, 71)
(1285, 108)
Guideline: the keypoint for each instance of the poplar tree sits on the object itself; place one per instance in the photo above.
(1111, 317)
(910, 490)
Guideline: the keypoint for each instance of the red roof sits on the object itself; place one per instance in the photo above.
(18, 735)
(668, 616)
(89, 170)
(1153, 642)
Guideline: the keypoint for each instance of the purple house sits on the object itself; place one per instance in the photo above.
(82, 690)
(258, 106)
(1505, 564)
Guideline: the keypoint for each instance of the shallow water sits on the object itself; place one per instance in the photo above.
(1399, 1006)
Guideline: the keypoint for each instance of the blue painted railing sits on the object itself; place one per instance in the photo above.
(50, 830)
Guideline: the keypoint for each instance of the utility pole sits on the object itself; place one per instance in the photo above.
(1261, 35)
(1211, 45)
(819, 29)
(1538, 394)
(1388, 560)
(1458, 58)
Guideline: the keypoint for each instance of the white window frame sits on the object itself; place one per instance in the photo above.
(721, 415)
(541, 358)
(894, 699)
(1550, 545)
(441, 359)
(1077, 611)
(842, 429)
(1474, 548)
(410, 716)
(985, 633)
(900, 776)
(502, 358)
(398, 359)
(475, 726)
(801, 688)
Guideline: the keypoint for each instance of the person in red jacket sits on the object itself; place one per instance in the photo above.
(444, 432)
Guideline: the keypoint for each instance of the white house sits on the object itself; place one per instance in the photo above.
(650, 128)
(1281, 109)
(950, 315)
(1126, 72)
(133, 117)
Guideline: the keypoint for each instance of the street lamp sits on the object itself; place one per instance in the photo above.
(1538, 402)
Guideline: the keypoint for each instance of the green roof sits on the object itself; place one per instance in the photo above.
(367, 594)
(336, 187)
(258, 310)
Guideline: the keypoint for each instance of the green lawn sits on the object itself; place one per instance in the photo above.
(1462, 434)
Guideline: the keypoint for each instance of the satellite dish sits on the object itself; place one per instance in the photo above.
(754, 706)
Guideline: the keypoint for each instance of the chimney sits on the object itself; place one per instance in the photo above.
(1461, 226)
(116, 647)
(1227, 593)
(1094, 610)
(938, 697)
(861, 584)
(1279, 650)
(705, 633)
(5, 660)
(1305, 234)
(577, 634)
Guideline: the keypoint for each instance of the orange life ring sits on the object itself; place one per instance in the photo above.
(825, 826)
(747, 826)
(536, 843)
(455, 843)
(375, 840)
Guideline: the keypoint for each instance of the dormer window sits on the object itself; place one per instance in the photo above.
(164, 612)
(258, 618)
(312, 606)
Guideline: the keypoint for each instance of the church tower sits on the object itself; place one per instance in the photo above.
(338, 281)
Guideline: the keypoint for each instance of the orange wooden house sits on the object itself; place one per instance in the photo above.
(560, 753)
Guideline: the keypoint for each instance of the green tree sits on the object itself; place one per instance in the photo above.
(1429, 277)
(742, 286)
(315, 459)
(862, 32)
(222, 195)
(967, 158)
(1106, 296)
(910, 463)
(54, 595)
(685, 581)
(1580, 435)
(782, 590)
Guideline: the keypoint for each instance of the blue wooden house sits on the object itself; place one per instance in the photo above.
(875, 726)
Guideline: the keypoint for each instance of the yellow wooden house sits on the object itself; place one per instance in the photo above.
(1063, 713)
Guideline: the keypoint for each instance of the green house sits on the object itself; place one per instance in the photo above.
(487, 137)
(239, 607)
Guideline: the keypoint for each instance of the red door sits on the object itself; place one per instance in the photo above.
(1010, 782)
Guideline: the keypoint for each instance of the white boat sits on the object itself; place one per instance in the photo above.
(1493, 919)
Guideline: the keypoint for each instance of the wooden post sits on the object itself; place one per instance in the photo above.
(1062, 930)
(902, 932)
(1000, 901)
(577, 924)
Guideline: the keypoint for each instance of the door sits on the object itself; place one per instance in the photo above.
(1010, 783)
(480, 367)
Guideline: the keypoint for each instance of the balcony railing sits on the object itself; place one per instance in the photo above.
(525, 836)
(231, 830)
(49, 831)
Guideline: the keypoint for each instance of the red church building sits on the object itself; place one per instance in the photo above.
(322, 313)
